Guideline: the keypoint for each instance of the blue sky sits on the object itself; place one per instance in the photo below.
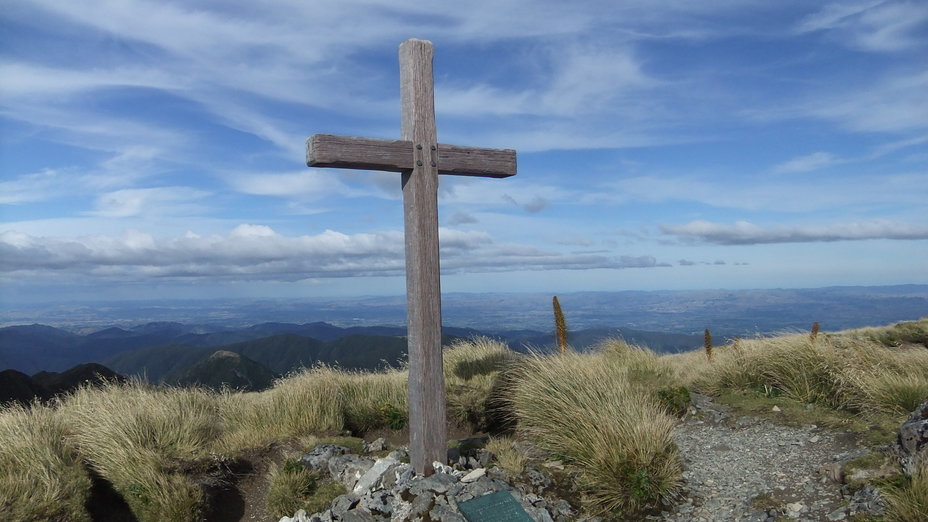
(156, 149)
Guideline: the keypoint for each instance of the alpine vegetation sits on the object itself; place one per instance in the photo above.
(597, 427)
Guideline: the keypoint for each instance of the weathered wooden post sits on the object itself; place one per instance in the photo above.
(420, 158)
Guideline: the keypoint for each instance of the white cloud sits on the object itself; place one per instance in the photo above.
(576, 81)
(149, 201)
(775, 195)
(896, 103)
(871, 25)
(23, 80)
(258, 252)
(120, 169)
(834, 15)
(462, 218)
(29, 188)
(746, 233)
(814, 161)
(307, 185)
(532, 206)
(530, 196)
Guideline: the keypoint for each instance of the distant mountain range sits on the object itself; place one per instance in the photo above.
(172, 341)
(164, 351)
(727, 313)
(17, 387)
(225, 369)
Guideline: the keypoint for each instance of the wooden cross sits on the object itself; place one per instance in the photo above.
(420, 158)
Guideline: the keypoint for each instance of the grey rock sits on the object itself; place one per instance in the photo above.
(402, 510)
(349, 468)
(421, 504)
(318, 459)
(538, 479)
(358, 516)
(378, 502)
(484, 485)
(343, 503)
(483, 457)
(440, 468)
(375, 446)
(372, 477)
(912, 442)
(474, 475)
(562, 508)
(299, 516)
(538, 514)
(400, 454)
(454, 455)
(437, 483)
(446, 514)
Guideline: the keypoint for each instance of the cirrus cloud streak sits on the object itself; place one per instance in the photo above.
(747, 233)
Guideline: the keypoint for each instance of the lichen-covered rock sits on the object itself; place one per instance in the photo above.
(318, 459)
(913, 439)
(387, 489)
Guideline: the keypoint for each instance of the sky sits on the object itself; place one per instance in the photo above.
(156, 149)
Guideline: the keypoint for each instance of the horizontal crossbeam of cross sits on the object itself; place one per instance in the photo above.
(347, 152)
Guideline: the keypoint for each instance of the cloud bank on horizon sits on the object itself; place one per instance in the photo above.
(158, 146)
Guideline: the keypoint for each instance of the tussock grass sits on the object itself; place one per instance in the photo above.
(507, 454)
(474, 372)
(304, 403)
(151, 443)
(589, 411)
(41, 477)
(909, 502)
(844, 372)
(600, 413)
(375, 400)
(899, 334)
(293, 487)
(136, 437)
(312, 401)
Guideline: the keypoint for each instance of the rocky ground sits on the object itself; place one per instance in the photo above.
(736, 468)
(753, 469)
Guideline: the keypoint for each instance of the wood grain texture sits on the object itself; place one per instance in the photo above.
(427, 426)
(347, 152)
(420, 158)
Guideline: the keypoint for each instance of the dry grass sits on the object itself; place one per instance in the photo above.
(41, 477)
(589, 411)
(375, 400)
(899, 334)
(293, 487)
(598, 412)
(909, 502)
(852, 372)
(153, 444)
(507, 454)
(474, 372)
(137, 436)
(304, 403)
(317, 400)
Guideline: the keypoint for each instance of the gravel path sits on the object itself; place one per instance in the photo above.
(750, 469)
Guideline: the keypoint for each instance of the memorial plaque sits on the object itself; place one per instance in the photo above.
(495, 507)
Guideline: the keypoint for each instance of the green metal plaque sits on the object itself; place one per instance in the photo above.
(495, 507)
